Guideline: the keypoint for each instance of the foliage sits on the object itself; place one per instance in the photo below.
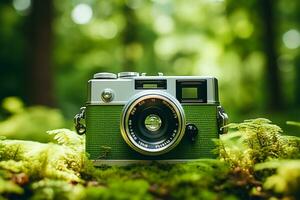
(178, 37)
(39, 160)
(255, 149)
(286, 180)
(32, 170)
(56, 189)
(7, 186)
(293, 123)
(257, 141)
(29, 123)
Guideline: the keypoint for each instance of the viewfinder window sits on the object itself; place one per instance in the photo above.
(191, 90)
(189, 93)
(150, 86)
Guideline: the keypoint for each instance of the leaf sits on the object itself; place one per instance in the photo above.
(293, 123)
(67, 137)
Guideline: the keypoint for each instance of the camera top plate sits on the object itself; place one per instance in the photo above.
(127, 84)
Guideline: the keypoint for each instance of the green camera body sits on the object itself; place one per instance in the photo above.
(133, 118)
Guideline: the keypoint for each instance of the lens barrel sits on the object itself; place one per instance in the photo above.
(152, 123)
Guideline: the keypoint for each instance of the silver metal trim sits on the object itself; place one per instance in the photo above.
(128, 74)
(125, 88)
(222, 120)
(79, 126)
(125, 102)
(105, 75)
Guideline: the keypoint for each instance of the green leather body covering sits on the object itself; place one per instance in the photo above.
(103, 130)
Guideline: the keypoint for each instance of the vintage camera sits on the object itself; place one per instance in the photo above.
(132, 117)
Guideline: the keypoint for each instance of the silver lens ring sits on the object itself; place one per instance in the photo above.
(171, 136)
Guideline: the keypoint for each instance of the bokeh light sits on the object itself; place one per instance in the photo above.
(108, 30)
(82, 14)
(134, 4)
(102, 29)
(21, 5)
(291, 39)
(163, 24)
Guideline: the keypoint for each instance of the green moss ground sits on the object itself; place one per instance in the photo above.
(255, 162)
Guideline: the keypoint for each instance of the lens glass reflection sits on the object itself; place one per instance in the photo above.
(153, 122)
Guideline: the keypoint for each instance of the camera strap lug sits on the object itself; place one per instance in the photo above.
(222, 120)
(79, 126)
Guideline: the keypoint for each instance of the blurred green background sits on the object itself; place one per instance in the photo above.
(50, 48)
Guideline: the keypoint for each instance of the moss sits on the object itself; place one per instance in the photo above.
(256, 141)
(286, 180)
(251, 166)
(56, 189)
(8, 187)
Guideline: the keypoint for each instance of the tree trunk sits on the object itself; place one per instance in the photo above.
(275, 97)
(129, 37)
(296, 19)
(297, 81)
(40, 50)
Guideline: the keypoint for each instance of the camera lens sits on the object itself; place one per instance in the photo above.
(152, 123)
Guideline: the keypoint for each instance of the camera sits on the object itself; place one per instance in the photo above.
(131, 117)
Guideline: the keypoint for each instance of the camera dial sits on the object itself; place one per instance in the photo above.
(128, 74)
(105, 75)
(152, 122)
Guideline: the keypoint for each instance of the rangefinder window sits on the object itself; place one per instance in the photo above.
(150, 84)
(191, 91)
